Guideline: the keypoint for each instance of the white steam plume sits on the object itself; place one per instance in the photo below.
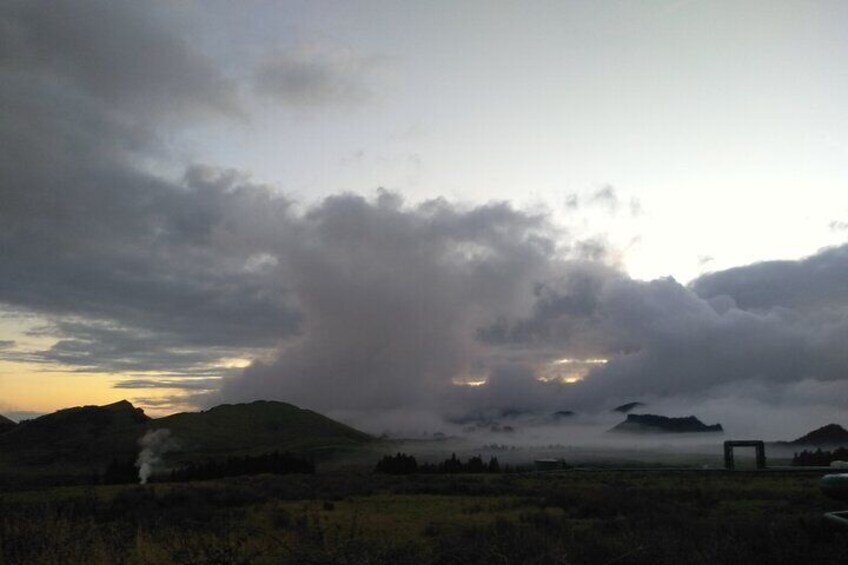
(154, 445)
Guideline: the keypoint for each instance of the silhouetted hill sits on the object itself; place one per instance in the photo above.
(86, 438)
(6, 424)
(651, 423)
(81, 434)
(257, 427)
(625, 408)
(831, 434)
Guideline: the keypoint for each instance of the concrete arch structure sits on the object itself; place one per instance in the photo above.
(758, 445)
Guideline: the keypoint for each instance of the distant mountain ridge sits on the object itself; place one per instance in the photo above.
(652, 423)
(831, 434)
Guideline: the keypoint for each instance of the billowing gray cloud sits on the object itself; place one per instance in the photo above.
(369, 343)
(565, 311)
(664, 340)
(309, 76)
(392, 296)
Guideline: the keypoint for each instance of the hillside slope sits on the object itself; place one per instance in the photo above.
(85, 439)
(257, 427)
(83, 434)
(6, 424)
(831, 435)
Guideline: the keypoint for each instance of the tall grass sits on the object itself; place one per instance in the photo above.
(576, 518)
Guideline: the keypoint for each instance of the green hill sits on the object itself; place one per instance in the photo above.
(257, 427)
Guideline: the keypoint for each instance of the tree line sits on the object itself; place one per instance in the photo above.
(403, 464)
(275, 463)
(819, 458)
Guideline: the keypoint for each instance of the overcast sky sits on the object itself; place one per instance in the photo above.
(371, 206)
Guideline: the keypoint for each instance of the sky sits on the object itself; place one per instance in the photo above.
(412, 212)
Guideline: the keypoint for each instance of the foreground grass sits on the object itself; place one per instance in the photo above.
(570, 517)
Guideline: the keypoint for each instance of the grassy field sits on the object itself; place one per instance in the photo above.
(356, 517)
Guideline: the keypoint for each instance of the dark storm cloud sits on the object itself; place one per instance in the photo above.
(187, 263)
(180, 268)
(87, 346)
(85, 232)
(119, 52)
(317, 77)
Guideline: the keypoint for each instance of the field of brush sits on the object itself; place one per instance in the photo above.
(580, 517)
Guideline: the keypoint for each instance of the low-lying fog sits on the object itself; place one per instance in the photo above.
(742, 419)
(585, 439)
